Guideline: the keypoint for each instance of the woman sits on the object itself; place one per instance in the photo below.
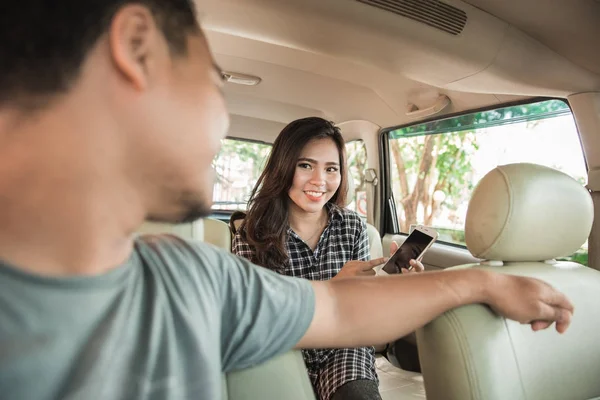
(296, 225)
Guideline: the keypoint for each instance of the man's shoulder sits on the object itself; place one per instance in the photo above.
(172, 245)
(186, 258)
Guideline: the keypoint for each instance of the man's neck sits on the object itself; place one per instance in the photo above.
(63, 212)
(66, 235)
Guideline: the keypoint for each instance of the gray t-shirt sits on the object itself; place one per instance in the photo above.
(166, 325)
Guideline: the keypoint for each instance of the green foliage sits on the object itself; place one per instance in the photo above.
(246, 151)
(450, 235)
(240, 161)
(453, 164)
(580, 256)
(436, 157)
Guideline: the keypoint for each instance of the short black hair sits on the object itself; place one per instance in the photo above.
(43, 43)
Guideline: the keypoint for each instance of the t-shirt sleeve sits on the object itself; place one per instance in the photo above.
(262, 314)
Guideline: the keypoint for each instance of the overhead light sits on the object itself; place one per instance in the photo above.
(241, 79)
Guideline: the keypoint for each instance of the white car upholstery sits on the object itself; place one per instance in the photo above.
(217, 232)
(207, 230)
(519, 216)
(527, 212)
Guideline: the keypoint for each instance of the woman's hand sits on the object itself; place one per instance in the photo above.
(416, 265)
(359, 268)
(366, 268)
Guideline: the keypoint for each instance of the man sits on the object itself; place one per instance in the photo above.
(110, 114)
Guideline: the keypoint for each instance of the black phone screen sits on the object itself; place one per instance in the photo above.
(411, 249)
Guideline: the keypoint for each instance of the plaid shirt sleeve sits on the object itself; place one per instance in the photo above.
(241, 248)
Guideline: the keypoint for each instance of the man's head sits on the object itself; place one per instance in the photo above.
(139, 73)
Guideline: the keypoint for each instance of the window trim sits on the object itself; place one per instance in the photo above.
(389, 215)
(531, 100)
(255, 141)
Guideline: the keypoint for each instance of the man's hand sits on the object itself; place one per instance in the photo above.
(529, 301)
(359, 268)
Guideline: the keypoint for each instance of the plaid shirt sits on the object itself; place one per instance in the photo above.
(344, 239)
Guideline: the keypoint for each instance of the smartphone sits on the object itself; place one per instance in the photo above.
(418, 241)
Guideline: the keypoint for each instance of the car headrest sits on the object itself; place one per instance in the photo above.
(351, 190)
(527, 212)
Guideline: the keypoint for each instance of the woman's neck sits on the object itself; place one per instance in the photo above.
(309, 226)
(301, 220)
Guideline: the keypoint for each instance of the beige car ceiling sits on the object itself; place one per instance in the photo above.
(347, 60)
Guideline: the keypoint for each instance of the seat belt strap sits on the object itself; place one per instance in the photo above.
(372, 182)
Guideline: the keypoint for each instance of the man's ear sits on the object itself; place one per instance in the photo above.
(135, 43)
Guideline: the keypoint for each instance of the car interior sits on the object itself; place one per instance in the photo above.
(479, 118)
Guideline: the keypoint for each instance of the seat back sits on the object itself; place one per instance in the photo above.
(519, 216)
(375, 245)
(207, 230)
(283, 377)
(217, 233)
(189, 230)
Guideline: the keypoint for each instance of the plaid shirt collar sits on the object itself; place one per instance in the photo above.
(334, 213)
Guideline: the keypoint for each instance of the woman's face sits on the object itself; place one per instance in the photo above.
(317, 176)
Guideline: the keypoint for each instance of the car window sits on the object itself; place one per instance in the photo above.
(238, 166)
(356, 154)
(435, 166)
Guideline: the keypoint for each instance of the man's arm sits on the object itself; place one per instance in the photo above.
(360, 311)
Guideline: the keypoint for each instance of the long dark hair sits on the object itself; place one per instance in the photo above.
(266, 223)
